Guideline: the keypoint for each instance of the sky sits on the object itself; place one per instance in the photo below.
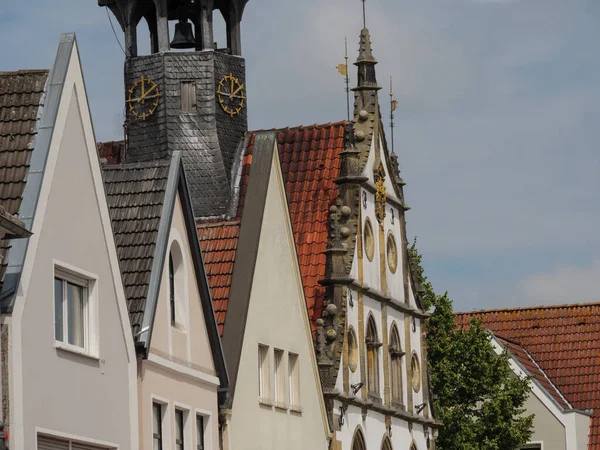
(497, 125)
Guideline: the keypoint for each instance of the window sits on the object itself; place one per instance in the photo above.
(199, 432)
(387, 444)
(279, 378)
(263, 372)
(188, 96)
(177, 283)
(358, 443)
(72, 311)
(352, 350)
(156, 426)
(373, 345)
(415, 368)
(392, 253)
(369, 240)
(532, 447)
(172, 289)
(396, 355)
(178, 429)
(294, 381)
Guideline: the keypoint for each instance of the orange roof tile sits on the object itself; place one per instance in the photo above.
(310, 162)
(218, 242)
(564, 341)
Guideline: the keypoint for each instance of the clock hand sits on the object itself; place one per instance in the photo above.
(231, 90)
(236, 91)
(147, 92)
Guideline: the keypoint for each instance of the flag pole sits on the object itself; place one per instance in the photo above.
(392, 108)
(347, 80)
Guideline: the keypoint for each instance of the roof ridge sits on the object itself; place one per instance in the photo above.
(137, 165)
(24, 72)
(298, 127)
(221, 223)
(526, 308)
(546, 376)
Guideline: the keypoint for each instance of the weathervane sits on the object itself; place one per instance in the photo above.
(393, 104)
(343, 69)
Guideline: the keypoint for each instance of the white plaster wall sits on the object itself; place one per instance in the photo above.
(546, 427)
(370, 268)
(64, 392)
(186, 346)
(395, 282)
(277, 317)
(189, 343)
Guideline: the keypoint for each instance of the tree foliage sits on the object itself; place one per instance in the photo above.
(477, 397)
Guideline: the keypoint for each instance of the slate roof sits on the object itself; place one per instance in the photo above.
(310, 162)
(135, 195)
(20, 96)
(564, 341)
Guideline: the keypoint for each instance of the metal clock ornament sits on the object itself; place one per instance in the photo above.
(143, 98)
(231, 95)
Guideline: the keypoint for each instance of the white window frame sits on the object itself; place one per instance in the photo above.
(264, 379)
(279, 378)
(165, 411)
(294, 382)
(89, 281)
(187, 427)
(207, 417)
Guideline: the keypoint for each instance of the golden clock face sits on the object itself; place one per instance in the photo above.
(231, 95)
(143, 98)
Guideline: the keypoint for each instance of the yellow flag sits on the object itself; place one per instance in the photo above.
(341, 68)
(394, 104)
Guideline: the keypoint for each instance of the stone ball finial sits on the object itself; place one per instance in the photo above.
(331, 309)
(360, 136)
(363, 115)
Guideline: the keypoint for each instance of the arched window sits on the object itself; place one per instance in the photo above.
(396, 355)
(176, 286)
(373, 345)
(387, 444)
(358, 443)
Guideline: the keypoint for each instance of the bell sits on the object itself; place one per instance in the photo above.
(184, 37)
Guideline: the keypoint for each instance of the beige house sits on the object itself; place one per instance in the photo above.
(274, 400)
(67, 361)
(180, 362)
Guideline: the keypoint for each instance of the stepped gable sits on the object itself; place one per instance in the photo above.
(310, 162)
(135, 194)
(564, 341)
(21, 96)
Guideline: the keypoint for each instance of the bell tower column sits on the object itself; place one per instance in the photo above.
(162, 25)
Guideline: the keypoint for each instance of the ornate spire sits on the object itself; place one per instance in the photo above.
(366, 62)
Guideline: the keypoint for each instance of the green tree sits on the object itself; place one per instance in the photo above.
(477, 397)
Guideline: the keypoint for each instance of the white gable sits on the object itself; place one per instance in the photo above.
(277, 319)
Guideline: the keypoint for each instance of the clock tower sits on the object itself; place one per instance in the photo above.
(193, 101)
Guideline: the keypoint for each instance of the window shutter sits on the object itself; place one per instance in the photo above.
(47, 443)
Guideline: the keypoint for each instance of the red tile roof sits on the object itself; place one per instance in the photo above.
(564, 341)
(218, 242)
(534, 370)
(310, 162)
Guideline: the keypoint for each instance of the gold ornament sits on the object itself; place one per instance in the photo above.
(231, 95)
(143, 98)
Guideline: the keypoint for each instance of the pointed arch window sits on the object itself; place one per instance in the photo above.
(373, 344)
(387, 444)
(358, 443)
(396, 355)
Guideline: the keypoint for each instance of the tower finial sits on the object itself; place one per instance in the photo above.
(364, 2)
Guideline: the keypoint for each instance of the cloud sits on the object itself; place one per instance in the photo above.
(563, 284)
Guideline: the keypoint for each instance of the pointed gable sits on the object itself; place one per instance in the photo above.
(310, 162)
(564, 341)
